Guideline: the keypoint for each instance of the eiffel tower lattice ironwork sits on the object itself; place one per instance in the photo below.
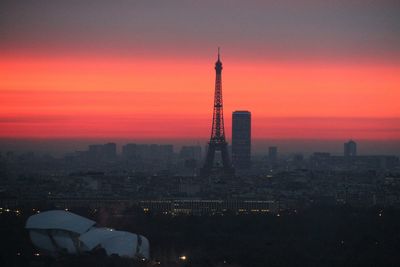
(217, 140)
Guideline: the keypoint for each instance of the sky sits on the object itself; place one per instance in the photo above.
(144, 70)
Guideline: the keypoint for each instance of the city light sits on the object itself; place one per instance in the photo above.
(267, 151)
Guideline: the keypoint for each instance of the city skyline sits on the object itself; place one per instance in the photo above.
(115, 151)
(104, 83)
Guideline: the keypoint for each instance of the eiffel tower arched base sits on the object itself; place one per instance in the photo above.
(209, 168)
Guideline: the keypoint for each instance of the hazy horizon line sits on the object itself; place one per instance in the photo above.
(61, 146)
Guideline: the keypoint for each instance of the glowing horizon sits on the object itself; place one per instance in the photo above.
(131, 98)
(136, 71)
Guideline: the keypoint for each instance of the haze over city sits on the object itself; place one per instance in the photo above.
(142, 71)
(199, 133)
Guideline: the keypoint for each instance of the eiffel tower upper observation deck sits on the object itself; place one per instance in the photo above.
(217, 139)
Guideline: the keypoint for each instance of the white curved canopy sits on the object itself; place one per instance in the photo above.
(121, 243)
(61, 231)
(124, 245)
(95, 236)
(54, 241)
(59, 219)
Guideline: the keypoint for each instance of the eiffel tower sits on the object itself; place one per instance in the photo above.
(217, 140)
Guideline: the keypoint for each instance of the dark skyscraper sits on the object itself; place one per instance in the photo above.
(217, 139)
(241, 139)
(350, 149)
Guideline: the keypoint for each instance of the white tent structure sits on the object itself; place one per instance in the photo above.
(59, 219)
(122, 243)
(59, 231)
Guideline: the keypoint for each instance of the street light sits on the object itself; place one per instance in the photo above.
(182, 258)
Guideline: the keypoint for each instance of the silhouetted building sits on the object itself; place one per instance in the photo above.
(297, 161)
(101, 152)
(272, 154)
(165, 151)
(110, 150)
(321, 161)
(190, 152)
(217, 141)
(241, 139)
(129, 151)
(147, 152)
(350, 149)
(95, 149)
(95, 152)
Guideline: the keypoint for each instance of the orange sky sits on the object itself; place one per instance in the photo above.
(136, 97)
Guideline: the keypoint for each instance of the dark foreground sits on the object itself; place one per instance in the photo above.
(318, 236)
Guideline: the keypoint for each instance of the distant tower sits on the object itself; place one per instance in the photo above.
(350, 149)
(241, 139)
(217, 139)
(272, 154)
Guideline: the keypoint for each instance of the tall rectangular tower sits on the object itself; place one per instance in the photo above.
(241, 139)
(350, 149)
